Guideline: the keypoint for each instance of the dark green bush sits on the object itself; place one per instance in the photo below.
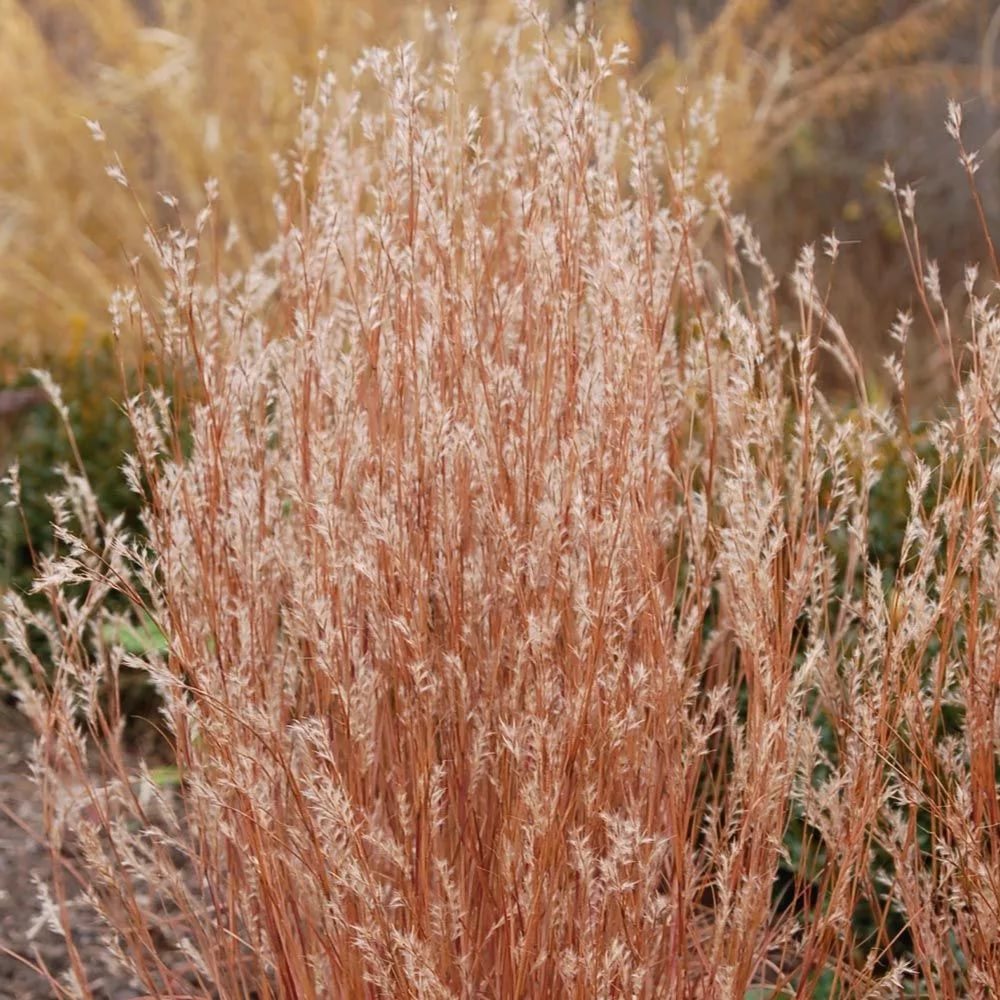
(94, 388)
(35, 438)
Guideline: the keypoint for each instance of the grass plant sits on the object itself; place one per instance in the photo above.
(516, 618)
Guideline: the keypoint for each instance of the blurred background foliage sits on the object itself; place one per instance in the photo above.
(811, 97)
(36, 438)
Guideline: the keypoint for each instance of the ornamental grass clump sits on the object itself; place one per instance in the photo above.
(517, 631)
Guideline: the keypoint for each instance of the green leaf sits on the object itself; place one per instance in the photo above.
(139, 639)
(167, 776)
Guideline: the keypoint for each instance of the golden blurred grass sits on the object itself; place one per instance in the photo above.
(188, 89)
(782, 65)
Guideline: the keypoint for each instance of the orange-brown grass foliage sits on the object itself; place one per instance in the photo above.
(516, 592)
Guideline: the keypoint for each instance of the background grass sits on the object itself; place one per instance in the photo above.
(810, 97)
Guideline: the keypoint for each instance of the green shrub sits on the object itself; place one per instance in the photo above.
(37, 440)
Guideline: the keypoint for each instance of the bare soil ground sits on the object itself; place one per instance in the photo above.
(23, 859)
